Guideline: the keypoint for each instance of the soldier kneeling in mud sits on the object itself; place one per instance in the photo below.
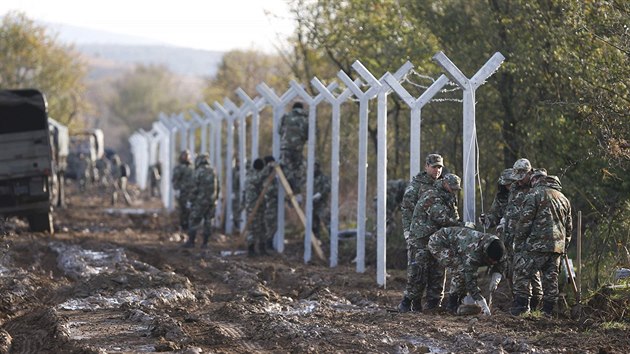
(463, 250)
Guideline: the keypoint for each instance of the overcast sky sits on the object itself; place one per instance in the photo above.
(203, 24)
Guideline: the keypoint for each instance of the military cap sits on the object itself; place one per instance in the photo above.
(435, 160)
(539, 172)
(520, 169)
(506, 177)
(453, 181)
(202, 159)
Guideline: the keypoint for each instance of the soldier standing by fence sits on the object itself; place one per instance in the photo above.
(293, 131)
(256, 229)
(321, 190)
(271, 206)
(120, 176)
(183, 184)
(544, 227)
(206, 190)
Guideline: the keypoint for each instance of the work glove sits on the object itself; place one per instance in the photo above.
(501, 226)
(317, 196)
(406, 234)
(494, 281)
(469, 224)
(188, 205)
(485, 310)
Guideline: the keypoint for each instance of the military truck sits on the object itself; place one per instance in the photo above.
(25, 158)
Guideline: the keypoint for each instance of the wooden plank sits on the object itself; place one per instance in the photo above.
(287, 187)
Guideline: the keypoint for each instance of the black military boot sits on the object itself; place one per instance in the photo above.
(520, 306)
(191, 240)
(548, 308)
(205, 241)
(251, 250)
(405, 305)
(533, 303)
(432, 305)
(453, 303)
(262, 248)
(416, 305)
(270, 244)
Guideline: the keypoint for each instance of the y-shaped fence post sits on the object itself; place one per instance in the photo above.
(334, 164)
(166, 158)
(278, 104)
(172, 131)
(229, 118)
(416, 105)
(255, 106)
(202, 124)
(310, 160)
(470, 128)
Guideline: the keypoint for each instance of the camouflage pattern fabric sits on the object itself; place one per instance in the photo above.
(257, 231)
(293, 130)
(104, 170)
(544, 229)
(236, 200)
(435, 209)
(418, 185)
(462, 251)
(184, 182)
(82, 171)
(497, 209)
(321, 212)
(119, 181)
(513, 211)
(206, 190)
(271, 210)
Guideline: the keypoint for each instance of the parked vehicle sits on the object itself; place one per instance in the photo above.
(26, 167)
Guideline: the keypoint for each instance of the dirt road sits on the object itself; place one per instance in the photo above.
(118, 280)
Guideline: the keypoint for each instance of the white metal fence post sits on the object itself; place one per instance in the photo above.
(470, 129)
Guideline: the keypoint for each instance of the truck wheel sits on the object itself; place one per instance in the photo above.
(41, 222)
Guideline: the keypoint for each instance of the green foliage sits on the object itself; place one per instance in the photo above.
(31, 57)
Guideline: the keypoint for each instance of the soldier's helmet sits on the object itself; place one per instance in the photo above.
(506, 177)
(258, 164)
(184, 157)
(520, 169)
(453, 181)
(298, 107)
(435, 160)
(202, 159)
(538, 174)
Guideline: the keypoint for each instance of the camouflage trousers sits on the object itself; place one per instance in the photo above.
(201, 213)
(120, 187)
(443, 255)
(517, 259)
(527, 266)
(257, 230)
(271, 218)
(184, 213)
(423, 273)
(292, 163)
(321, 217)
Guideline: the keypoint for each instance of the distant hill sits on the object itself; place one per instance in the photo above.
(106, 52)
(182, 61)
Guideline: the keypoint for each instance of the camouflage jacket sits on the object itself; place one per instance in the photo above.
(545, 224)
(463, 249)
(418, 185)
(321, 185)
(497, 209)
(183, 181)
(437, 208)
(293, 130)
(206, 186)
(513, 210)
(253, 187)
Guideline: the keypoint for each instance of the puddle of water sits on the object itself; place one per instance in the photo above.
(301, 308)
(429, 343)
(235, 253)
(81, 263)
(131, 211)
(145, 298)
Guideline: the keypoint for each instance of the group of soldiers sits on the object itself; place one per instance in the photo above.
(197, 190)
(197, 196)
(533, 230)
(108, 173)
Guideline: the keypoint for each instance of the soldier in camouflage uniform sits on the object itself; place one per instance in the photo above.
(205, 192)
(463, 251)
(256, 228)
(420, 183)
(271, 207)
(82, 171)
(236, 200)
(120, 175)
(103, 167)
(521, 173)
(293, 130)
(497, 209)
(544, 229)
(436, 208)
(321, 190)
(184, 185)
(395, 193)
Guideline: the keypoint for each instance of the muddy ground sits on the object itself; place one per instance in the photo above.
(114, 280)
